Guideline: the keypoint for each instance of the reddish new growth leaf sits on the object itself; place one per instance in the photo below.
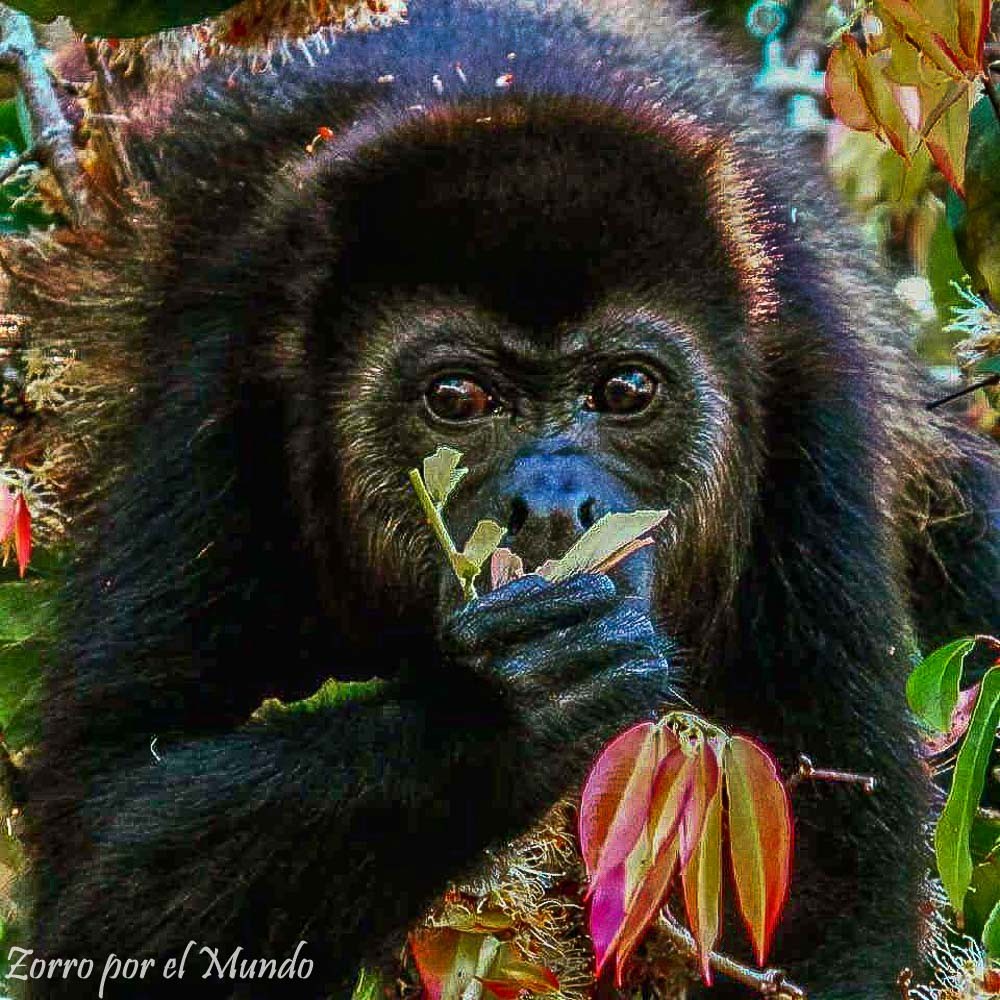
(760, 838)
(916, 77)
(652, 807)
(15, 528)
(448, 960)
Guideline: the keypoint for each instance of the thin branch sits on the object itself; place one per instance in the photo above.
(807, 772)
(769, 983)
(9, 169)
(53, 138)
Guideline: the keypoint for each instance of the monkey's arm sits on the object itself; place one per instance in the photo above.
(337, 827)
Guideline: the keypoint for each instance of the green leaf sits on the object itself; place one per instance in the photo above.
(369, 986)
(18, 214)
(482, 542)
(330, 694)
(25, 611)
(441, 473)
(122, 18)
(977, 227)
(601, 544)
(932, 688)
(991, 932)
(951, 837)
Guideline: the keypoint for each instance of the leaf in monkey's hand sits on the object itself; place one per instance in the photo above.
(608, 541)
(442, 474)
(505, 566)
(481, 545)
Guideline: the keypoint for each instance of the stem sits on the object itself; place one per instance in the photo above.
(807, 772)
(433, 515)
(768, 982)
(53, 138)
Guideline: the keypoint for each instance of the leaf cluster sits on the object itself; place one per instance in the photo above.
(908, 72)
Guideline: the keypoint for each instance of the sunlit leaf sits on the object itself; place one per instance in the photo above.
(441, 473)
(505, 566)
(702, 880)
(932, 687)
(482, 542)
(927, 35)
(948, 138)
(863, 99)
(951, 836)
(601, 542)
(760, 838)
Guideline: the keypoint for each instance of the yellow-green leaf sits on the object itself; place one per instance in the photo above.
(441, 473)
(760, 838)
(601, 543)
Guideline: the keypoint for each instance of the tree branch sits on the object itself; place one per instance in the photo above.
(769, 983)
(53, 138)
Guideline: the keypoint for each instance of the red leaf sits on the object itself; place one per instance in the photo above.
(434, 952)
(607, 913)
(760, 838)
(22, 533)
(616, 800)
(511, 979)
(646, 904)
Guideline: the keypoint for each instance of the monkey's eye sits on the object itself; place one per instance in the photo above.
(625, 393)
(458, 398)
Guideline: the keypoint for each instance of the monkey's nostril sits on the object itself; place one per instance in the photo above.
(586, 513)
(518, 515)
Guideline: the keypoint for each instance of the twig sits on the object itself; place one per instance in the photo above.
(807, 772)
(53, 138)
(9, 169)
(434, 519)
(769, 983)
(972, 387)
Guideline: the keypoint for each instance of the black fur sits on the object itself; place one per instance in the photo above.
(622, 195)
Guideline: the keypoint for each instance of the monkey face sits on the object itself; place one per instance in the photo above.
(552, 298)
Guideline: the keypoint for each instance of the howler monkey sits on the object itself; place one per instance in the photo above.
(567, 241)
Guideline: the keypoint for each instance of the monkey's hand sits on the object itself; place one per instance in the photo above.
(564, 667)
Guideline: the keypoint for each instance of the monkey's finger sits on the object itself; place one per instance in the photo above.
(623, 634)
(603, 705)
(523, 609)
